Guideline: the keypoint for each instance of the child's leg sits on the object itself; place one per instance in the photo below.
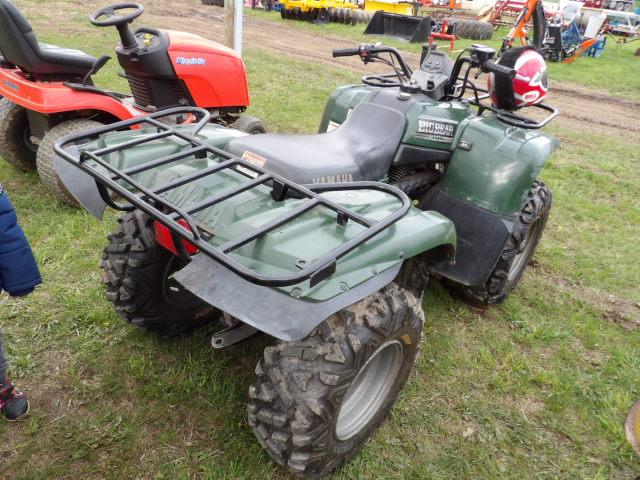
(13, 403)
(4, 364)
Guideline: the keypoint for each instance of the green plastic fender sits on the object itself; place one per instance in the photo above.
(494, 165)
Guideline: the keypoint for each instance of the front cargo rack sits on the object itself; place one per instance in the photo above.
(180, 221)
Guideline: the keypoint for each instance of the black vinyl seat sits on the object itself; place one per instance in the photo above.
(362, 148)
(20, 47)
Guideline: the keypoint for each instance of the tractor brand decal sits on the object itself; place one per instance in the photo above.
(190, 61)
(436, 129)
(11, 85)
(340, 178)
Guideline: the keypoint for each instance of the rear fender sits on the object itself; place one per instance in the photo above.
(291, 313)
(54, 97)
(83, 187)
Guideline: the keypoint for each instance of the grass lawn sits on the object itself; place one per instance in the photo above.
(538, 387)
(617, 71)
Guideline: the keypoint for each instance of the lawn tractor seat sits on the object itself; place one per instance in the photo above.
(20, 47)
(362, 148)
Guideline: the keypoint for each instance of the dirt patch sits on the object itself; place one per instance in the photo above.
(531, 407)
(620, 311)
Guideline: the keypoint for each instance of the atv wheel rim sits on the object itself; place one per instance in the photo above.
(369, 390)
(526, 250)
(173, 292)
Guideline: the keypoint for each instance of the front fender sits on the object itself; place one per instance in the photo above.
(498, 165)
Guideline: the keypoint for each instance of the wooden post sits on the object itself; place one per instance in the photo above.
(237, 29)
(233, 24)
(229, 22)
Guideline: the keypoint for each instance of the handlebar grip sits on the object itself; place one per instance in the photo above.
(346, 52)
(501, 70)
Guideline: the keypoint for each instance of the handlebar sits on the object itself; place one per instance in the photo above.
(497, 69)
(346, 52)
(368, 51)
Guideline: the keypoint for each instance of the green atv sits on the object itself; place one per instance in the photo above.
(324, 242)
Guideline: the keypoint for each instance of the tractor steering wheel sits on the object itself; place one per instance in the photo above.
(113, 19)
(384, 80)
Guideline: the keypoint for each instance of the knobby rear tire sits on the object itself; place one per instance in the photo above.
(136, 274)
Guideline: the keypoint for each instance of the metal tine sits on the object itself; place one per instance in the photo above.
(211, 201)
(164, 160)
(269, 226)
(178, 182)
(132, 143)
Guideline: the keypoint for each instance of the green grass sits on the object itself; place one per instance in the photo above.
(536, 388)
(617, 62)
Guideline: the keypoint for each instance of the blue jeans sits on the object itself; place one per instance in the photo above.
(4, 364)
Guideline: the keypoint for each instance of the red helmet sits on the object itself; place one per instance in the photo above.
(528, 87)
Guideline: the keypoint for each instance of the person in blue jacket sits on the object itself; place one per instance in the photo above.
(19, 276)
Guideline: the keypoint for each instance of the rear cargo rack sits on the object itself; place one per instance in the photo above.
(180, 220)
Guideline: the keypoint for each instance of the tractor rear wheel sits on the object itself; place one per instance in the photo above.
(317, 401)
(16, 146)
(46, 156)
(517, 252)
(473, 30)
(138, 276)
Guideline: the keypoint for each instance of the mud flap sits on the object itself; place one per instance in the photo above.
(482, 235)
(269, 310)
(81, 185)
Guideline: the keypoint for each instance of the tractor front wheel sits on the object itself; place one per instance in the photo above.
(517, 252)
(250, 125)
(46, 156)
(16, 146)
(138, 276)
(318, 400)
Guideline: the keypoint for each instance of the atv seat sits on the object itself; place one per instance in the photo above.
(20, 47)
(362, 148)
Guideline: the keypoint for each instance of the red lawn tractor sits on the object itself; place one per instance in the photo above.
(49, 93)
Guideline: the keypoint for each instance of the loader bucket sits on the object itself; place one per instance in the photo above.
(405, 27)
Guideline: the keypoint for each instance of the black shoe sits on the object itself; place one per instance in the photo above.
(13, 403)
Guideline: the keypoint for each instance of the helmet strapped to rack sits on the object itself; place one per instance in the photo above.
(530, 85)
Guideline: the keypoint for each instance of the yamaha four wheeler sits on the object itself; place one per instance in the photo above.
(48, 91)
(323, 242)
